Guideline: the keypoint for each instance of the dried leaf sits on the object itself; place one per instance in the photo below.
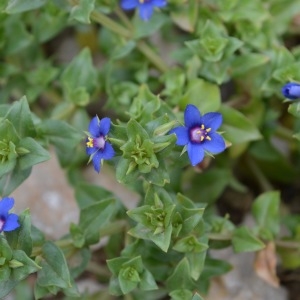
(265, 264)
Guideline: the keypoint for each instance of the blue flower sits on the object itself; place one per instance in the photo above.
(8, 222)
(145, 7)
(291, 90)
(96, 143)
(199, 134)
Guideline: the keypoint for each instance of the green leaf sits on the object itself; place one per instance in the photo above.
(9, 182)
(123, 50)
(181, 294)
(196, 262)
(143, 29)
(180, 277)
(7, 286)
(127, 283)
(80, 73)
(134, 129)
(64, 137)
(95, 216)
(210, 183)
(147, 282)
(17, 37)
(81, 12)
(265, 210)
(244, 240)
(28, 266)
(237, 128)
(87, 194)
(54, 270)
(197, 297)
(190, 244)
(247, 62)
(37, 153)
(20, 238)
(205, 95)
(18, 6)
(20, 116)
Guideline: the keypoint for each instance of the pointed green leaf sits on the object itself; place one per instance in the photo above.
(244, 240)
(54, 270)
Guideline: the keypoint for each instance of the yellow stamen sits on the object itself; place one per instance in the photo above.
(141, 1)
(90, 143)
(201, 138)
(198, 131)
(208, 138)
(208, 129)
(202, 127)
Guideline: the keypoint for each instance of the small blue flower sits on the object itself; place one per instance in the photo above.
(96, 143)
(145, 7)
(199, 134)
(291, 90)
(8, 222)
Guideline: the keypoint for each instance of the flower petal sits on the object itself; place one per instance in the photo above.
(104, 126)
(212, 120)
(146, 11)
(181, 134)
(192, 116)
(108, 152)
(96, 158)
(129, 4)
(91, 150)
(94, 127)
(291, 90)
(195, 153)
(6, 204)
(159, 3)
(11, 222)
(215, 145)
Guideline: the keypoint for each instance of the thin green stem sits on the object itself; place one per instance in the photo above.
(123, 18)
(110, 24)
(259, 175)
(152, 56)
(279, 243)
(141, 45)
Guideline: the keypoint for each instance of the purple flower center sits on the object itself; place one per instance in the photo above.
(199, 133)
(98, 142)
(2, 222)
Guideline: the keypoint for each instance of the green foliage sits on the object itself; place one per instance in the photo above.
(63, 62)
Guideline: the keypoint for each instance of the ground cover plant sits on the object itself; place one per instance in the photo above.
(194, 105)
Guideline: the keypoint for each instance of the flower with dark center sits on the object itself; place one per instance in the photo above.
(145, 7)
(8, 222)
(291, 90)
(199, 134)
(96, 144)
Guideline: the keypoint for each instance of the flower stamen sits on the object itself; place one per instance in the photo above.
(90, 142)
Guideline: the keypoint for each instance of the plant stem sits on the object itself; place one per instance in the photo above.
(259, 175)
(110, 24)
(123, 18)
(152, 56)
(112, 228)
(141, 45)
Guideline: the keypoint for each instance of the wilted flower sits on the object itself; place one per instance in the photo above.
(199, 134)
(8, 222)
(291, 90)
(96, 144)
(145, 7)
